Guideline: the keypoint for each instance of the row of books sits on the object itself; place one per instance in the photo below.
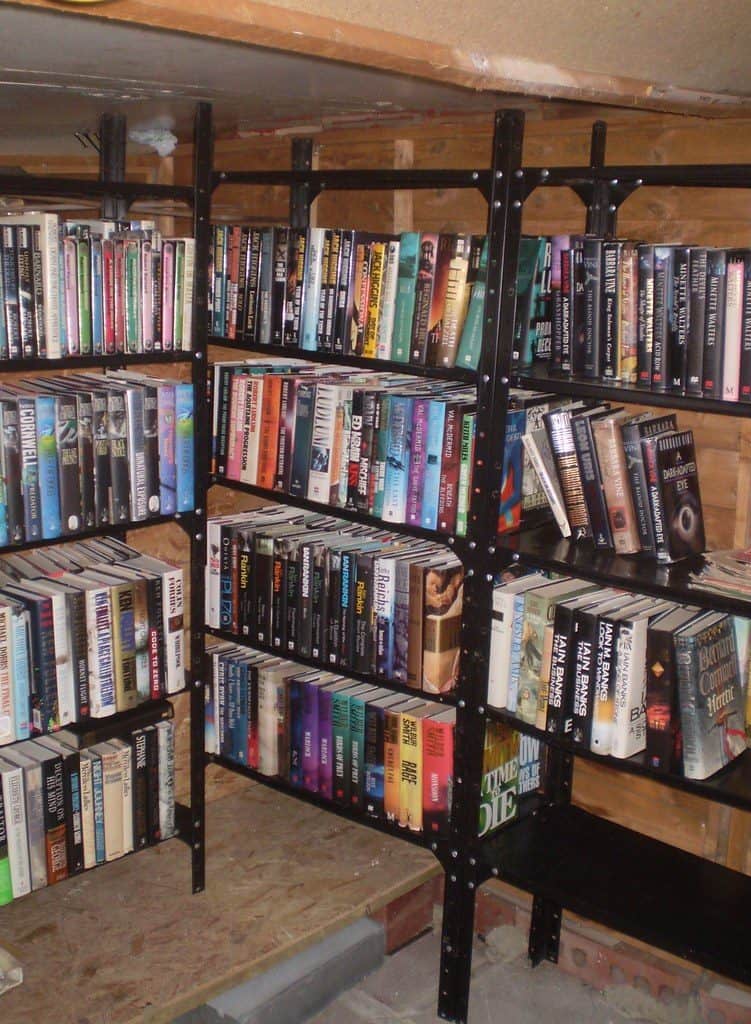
(342, 594)
(66, 808)
(364, 747)
(412, 298)
(670, 318)
(385, 444)
(629, 482)
(90, 450)
(620, 673)
(95, 287)
(86, 630)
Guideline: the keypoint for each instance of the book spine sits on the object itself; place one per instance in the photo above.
(645, 316)
(357, 751)
(410, 772)
(423, 297)
(10, 340)
(417, 457)
(610, 368)
(32, 502)
(714, 330)
(465, 471)
(377, 264)
(26, 290)
(15, 824)
(391, 765)
(313, 272)
(629, 314)
(101, 669)
(558, 425)
(649, 454)
(679, 326)
(139, 507)
(433, 461)
(342, 311)
(184, 446)
(592, 481)
(744, 389)
(325, 746)
(117, 423)
(449, 479)
(616, 486)
(592, 263)
(731, 355)
(438, 761)
(397, 460)
(409, 243)
(49, 484)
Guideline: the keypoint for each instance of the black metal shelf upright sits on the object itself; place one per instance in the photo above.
(563, 855)
(117, 195)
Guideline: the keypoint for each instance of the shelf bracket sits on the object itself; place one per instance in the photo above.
(544, 931)
(300, 195)
(112, 138)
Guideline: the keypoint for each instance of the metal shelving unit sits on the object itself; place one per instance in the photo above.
(561, 854)
(116, 196)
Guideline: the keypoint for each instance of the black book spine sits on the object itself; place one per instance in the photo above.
(319, 605)
(40, 328)
(53, 802)
(103, 507)
(578, 330)
(73, 824)
(11, 467)
(43, 644)
(252, 294)
(332, 285)
(304, 639)
(225, 577)
(649, 454)
(244, 570)
(242, 284)
(714, 329)
(117, 424)
(32, 507)
(632, 434)
(355, 447)
(663, 317)
(696, 321)
(347, 603)
(341, 342)
(645, 316)
(335, 606)
(26, 312)
(585, 652)
(566, 306)
(557, 722)
(370, 407)
(744, 390)
(591, 479)
(610, 314)
(291, 593)
(66, 414)
(303, 432)
(278, 594)
(663, 712)
(140, 791)
(279, 285)
(85, 418)
(680, 321)
(293, 298)
(263, 575)
(10, 293)
(156, 632)
(592, 265)
(152, 785)
(363, 658)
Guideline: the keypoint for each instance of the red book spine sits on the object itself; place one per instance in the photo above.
(437, 775)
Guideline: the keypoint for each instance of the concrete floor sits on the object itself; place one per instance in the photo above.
(504, 990)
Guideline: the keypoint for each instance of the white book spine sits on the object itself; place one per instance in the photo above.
(629, 717)
(173, 604)
(388, 301)
(147, 298)
(500, 648)
(15, 826)
(35, 832)
(517, 627)
(102, 698)
(213, 571)
(549, 484)
(268, 751)
(7, 711)
(66, 685)
(87, 813)
(322, 443)
(255, 397)
(312, 288)
(126, 766)
(112, 791)
(166, 733)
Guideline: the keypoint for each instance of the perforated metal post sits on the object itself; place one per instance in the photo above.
(504, 232)
(112, 145)
(300, 195)
(202, 178)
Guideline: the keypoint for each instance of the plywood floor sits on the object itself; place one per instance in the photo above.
(128, 942)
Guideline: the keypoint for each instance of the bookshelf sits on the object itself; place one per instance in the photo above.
(565, 856)
(117, 195)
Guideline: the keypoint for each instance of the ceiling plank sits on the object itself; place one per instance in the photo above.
(267, 25)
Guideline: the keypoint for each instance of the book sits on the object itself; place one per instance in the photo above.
(499, 784)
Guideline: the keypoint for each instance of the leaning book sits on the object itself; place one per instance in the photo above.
(710, 695)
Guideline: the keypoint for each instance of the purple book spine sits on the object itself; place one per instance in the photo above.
(325, 741)
(417, 460)
(310, 739)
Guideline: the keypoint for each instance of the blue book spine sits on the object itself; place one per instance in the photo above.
(184, 447)
(295, 732)
(240, 731)
(21, 675)
(397, 460)
(433, 458)
(167, 440)
(27, 428)
(49, 484)
(98, 788)
(401, 340)
(230, 714)
(312, 279)
(510, 504)
(516, 651)
(97, 315)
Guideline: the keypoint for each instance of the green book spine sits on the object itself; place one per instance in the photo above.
(409, 248)
(465, 472)
(132, 296)
(340, 730)
(84, 295)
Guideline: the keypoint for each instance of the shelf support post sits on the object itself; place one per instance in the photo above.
(504, 232)
(202, 172)
(300, 195)
(112, 143)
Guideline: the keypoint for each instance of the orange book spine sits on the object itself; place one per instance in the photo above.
(272, 393)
